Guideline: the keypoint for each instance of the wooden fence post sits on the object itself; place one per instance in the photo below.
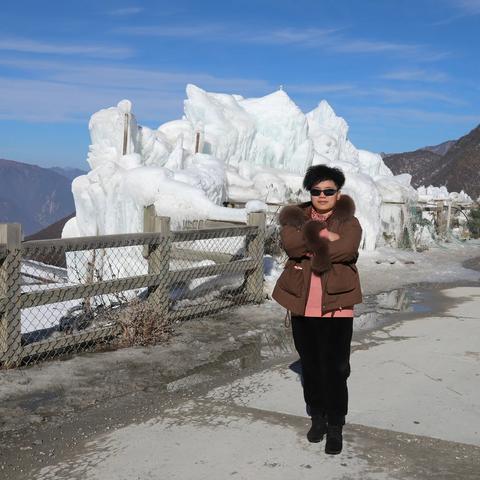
(10, 290)
(449, 217)
(255, 249)
(159, 259)
(441, 220)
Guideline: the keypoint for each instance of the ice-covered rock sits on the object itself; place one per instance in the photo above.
(228, 148)
(372, 164)
(432, 193)
(329, 135)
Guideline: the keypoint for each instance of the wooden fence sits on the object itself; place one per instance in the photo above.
(193, 249)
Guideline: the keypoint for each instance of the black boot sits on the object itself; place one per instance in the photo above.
(318, 429)
(333, 446)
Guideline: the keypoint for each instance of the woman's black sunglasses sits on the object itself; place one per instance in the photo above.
(315, 192)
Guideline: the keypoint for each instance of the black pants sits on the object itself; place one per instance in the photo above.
(324, 348)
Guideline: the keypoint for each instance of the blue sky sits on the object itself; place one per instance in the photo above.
(403, 73)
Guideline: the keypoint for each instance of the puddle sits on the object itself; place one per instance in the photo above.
(39, 399)
(384, 308)
(376, 311)
(472, 264)
(380, 309)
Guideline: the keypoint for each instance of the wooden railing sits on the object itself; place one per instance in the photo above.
(162, 252)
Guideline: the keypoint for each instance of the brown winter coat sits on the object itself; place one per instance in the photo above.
(333, 261)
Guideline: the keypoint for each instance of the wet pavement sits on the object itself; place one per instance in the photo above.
(238, 411)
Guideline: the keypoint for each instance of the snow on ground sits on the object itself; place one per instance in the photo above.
(38, 272)
(441, 263)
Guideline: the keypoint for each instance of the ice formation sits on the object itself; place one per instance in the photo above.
(227, 148)
(427, 194)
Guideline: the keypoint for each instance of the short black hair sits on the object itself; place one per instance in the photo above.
(319, 173)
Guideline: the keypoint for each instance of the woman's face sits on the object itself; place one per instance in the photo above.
(322, 203)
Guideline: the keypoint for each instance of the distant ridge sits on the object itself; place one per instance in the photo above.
(455, 164)
(52, 231)
(419, 164)
(34, 196)
(460, 168)
(442, 148)
(68, 172)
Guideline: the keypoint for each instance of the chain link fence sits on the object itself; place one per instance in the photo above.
(417, 225)
(65, 295)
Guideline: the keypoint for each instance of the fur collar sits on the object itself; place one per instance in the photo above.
(297, 215)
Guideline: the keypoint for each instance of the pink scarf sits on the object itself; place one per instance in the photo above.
(321, 217)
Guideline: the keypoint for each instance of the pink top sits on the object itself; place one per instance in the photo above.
(314, 301)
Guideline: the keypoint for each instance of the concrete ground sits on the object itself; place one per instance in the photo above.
(414, 411)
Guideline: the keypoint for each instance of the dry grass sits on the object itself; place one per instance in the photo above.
(142, 325)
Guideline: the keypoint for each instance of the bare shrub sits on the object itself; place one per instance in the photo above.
(473, 222)
(273, 245)
(142, 325)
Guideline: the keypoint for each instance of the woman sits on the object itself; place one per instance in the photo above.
(319, 287)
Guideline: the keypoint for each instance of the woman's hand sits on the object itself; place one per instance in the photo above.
(332, 236)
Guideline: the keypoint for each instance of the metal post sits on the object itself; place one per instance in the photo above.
(10, 291)
(255, 249)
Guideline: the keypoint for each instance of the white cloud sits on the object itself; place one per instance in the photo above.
(72, 92)
(33, 46)
(144, 79)
(308, 37)
(406, 96)
(402, 96)
(471, 7)
(205, 31)
(126, 11)
(366, 46)
(47, 101)
(464, 8)
(319, 88)
(383, 95)
(411, 115)
(416, 75)
(331, 39)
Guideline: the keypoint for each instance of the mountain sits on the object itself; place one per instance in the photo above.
(460, 168)
(419, 164)
(442, 148)
(455, 164)
(68, 172)
(33, 196)
(51, 231)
